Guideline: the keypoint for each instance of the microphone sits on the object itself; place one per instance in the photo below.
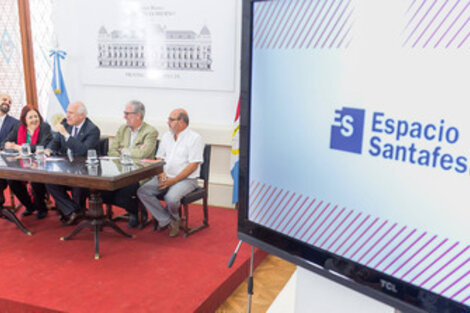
(70, 154)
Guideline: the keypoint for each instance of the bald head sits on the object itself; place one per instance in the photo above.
(76, 113)
(182, 115)
(178, 121)
(5, 103)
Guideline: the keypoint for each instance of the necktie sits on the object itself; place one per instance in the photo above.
(74, 133)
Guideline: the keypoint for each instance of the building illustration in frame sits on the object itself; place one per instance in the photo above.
(157, 48)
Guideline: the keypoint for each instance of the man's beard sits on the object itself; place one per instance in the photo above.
(4, 108)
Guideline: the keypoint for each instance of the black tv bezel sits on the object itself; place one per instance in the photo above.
(407, 298)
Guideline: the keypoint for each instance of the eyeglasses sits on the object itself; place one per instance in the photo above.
(170, 119)
(127, 113)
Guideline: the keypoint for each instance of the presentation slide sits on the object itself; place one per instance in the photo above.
(360, 134)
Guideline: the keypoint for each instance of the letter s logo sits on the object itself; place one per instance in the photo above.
(347, 128)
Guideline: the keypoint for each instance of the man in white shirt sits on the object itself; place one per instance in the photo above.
(182, 150)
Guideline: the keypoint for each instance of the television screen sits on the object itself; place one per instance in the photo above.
(355, 144)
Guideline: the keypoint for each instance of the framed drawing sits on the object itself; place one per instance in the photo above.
(158, 43)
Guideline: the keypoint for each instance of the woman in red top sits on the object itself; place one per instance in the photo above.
(34, 131)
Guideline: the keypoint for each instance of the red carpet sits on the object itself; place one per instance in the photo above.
(150, 273)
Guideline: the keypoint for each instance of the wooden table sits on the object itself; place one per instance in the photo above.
(108, 174)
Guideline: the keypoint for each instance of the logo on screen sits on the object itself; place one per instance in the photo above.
(347, 130)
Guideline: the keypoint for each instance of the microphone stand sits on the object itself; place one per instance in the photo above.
(250, 277)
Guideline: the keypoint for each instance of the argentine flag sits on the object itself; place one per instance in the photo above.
(234, 159)
(58, 86)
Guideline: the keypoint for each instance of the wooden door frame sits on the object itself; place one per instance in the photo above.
(28, 54)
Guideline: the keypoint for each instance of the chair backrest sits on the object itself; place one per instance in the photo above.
(204, 173)
(156, 146)
(103, 146)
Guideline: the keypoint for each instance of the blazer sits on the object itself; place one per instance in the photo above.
(8, 123)
(144, 144)
(44, 136)
(87, 138)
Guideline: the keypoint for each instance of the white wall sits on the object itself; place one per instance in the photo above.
(211, 112)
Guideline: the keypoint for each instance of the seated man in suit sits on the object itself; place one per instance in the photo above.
(74, 138)
(7, 123)
(182, 150)
(139, 138)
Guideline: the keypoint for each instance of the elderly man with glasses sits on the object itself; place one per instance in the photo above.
(139, 139)
(74, 137)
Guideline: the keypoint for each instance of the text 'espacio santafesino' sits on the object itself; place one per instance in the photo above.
(386, 129)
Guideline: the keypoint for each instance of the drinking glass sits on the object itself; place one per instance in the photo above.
(39, 151)
(25, 163)
(126, 156)
(92, 170)
(41, 161)
(25, 149)
(126, 168)
(91, 156)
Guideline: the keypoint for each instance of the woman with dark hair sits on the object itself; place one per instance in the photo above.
(35, 132)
